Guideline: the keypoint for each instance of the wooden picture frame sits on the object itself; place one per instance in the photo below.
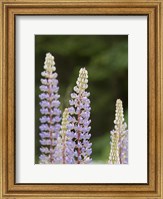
(11, 8)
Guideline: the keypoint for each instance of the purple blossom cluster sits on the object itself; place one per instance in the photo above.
(79, 120)
(123, 146)
(50, 120)
(64, 152)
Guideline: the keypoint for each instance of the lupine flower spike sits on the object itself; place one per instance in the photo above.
(50, 111)
(79, 119)
(114, 151)
(119, 138)
(64, 152)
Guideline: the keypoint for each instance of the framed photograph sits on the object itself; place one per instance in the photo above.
(81, 99)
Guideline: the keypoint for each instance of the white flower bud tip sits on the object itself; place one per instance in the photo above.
(49, 63)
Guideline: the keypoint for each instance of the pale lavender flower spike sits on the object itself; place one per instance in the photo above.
(64, 151)
(119, 138)
(50, 127)
(79, 122)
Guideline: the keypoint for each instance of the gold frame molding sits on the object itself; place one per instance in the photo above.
(8, 10)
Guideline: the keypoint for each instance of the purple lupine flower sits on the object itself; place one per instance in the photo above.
(79, 119)
(64, 151)
(50, 127)
(124, 147)
(119, 138)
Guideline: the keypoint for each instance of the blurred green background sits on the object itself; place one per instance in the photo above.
(106, 59)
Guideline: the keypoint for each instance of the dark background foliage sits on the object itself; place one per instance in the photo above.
(106, 59)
